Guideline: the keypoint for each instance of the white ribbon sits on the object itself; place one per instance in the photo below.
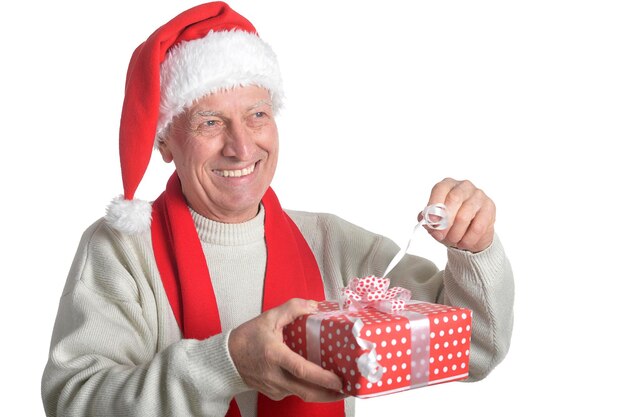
(420, 346)
(434, 217)
(314, 334)
(367, 362)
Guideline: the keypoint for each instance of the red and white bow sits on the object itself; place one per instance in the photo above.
(374, 292)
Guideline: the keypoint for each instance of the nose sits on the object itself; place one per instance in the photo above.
(239, 142)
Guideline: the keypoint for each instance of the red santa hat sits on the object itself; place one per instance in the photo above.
(203, 50)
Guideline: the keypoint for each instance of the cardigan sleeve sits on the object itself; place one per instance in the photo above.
(104, 357)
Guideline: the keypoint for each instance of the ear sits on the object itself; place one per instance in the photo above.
(166, 154)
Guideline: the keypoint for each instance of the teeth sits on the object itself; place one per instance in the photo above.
(236, 173)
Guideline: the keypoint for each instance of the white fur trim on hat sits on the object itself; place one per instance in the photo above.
(219, 61)
(129, 216)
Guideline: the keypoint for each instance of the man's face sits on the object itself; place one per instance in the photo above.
(225, 148)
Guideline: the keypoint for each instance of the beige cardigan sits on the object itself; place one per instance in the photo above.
(116, 348)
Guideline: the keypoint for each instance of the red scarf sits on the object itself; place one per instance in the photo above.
(291, 272)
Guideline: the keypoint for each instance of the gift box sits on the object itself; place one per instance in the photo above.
(409, 344)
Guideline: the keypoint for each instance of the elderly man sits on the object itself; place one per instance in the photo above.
(148, 322)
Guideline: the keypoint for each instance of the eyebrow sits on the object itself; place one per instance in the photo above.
(210, 113)
(205, 113)
(200, 114)
(260, 103)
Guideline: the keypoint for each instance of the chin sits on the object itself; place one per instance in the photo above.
(243, 206)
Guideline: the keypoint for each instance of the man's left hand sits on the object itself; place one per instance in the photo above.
(471, 215)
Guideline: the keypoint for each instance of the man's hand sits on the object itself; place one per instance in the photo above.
(267, 365)
(472, 215)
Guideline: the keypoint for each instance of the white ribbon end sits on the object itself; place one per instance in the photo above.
(369, 367)
(435, 216)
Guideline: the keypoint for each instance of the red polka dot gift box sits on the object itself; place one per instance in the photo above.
(381, 343)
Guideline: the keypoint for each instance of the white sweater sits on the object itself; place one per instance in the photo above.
(117, 350)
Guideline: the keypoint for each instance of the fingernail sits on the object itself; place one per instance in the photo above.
(313, 306)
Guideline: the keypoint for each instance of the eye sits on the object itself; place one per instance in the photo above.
(258, 119)
(208, 125)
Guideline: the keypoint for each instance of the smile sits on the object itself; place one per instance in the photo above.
(235, 173)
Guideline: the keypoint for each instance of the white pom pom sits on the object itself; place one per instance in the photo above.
(129, 216)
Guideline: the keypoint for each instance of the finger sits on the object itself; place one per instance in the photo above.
(462, 219)
(307, 391)
(311, 393)
(453, 194)
(291, 310)
(480, 232)
(279, 384)
(305, 370)
(477, 242)
(285, 378)
(473, 225)
(440, 191)
(438, 196)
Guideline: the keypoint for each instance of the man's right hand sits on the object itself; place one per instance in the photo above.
(267, 365)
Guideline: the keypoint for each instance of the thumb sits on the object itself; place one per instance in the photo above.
(292, 309)
(438, 235)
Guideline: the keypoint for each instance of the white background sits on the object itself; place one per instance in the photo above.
(527, 99)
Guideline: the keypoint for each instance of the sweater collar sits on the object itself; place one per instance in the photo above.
(230, 234)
